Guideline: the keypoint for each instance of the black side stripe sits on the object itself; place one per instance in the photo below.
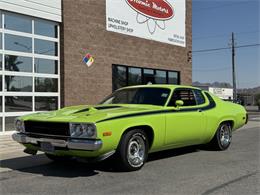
(211, 105)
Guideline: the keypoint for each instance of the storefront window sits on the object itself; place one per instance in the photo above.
(134, 76)
(28, 77)
(45, 47)
(173, 77)
(1, 61)
(46, 66)
(148, 76)
(45, 28)
(46, 85)
(18, 83)
(18, 63)
(46, 103)
(125, 76)
(119, 77)
(1, 122)
(160, 77)
(1, 104)
(0, 40)
(18, 43)
(9, 123)
(18, 103)
(0, 19)
(18, 23)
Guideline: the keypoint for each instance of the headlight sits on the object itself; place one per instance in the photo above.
(19, 125)
(83, 130)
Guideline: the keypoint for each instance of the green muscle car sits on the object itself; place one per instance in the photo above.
(132, 122)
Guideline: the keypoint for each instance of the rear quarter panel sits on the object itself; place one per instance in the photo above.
(224, 111)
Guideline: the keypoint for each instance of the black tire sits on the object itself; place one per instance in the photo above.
(56, 158)
(222, 138)
(132, 151)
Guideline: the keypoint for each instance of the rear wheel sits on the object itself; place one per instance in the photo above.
(223, 137)
(133, 150)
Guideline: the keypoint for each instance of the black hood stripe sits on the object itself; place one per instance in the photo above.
(211, 105)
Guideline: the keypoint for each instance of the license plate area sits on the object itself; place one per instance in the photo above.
(47, 147)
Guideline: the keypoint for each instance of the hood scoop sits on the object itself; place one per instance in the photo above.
(93, 109)
(83, 110)
(106, 107)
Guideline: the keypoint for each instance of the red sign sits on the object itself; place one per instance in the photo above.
(156, 9)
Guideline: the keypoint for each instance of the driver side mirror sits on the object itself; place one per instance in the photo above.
(179, 103)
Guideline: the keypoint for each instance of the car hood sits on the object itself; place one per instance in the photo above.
(87, 113)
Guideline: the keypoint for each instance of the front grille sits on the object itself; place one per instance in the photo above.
(49, 128)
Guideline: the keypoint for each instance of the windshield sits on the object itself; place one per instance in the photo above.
(153, 96)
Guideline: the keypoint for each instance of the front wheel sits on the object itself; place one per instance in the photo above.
(223, 137)
(133, 150)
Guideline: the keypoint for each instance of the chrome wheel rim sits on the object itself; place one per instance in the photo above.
(136, 150)
(225, 135)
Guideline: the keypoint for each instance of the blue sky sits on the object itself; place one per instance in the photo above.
(213, 23)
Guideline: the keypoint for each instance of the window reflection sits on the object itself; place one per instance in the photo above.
(173, 77)
(0, 40)
(45, 28)
(18, 104)
(46, 85)
(1, 104)
(46, 66)
(18, 23)
(148, 76)
(160, 77)
(134, 76)
(1, 63)
(0, 19)
(119, 77)
(18, 43)
(18, 83)
(9, 123)
(46, 103)
(45, 47)
(1, 120)
(18, 63)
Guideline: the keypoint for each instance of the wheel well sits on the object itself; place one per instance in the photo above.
(230, 122)
(147, 129)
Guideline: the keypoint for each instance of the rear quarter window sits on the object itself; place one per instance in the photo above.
(200, 99)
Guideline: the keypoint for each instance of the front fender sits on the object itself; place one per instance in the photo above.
(119, 126)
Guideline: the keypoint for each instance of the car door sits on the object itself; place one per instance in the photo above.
(186, 124)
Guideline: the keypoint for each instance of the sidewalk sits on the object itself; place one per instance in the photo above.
(10, 148)
(12, 156)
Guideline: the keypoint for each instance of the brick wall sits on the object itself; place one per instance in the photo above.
(84, 26)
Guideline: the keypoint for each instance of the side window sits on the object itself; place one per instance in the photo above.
(186, 95)
(199, 96)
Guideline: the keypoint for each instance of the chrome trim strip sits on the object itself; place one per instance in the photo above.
(71, 143)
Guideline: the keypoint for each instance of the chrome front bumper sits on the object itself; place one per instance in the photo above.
(71, 143)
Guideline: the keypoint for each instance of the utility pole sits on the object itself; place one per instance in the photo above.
(233, 70)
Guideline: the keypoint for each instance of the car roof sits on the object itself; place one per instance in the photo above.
(169, 86)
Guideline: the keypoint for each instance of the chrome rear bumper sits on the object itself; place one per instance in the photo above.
(71, 143)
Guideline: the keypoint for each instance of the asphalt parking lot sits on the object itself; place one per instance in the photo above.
(192, 170)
